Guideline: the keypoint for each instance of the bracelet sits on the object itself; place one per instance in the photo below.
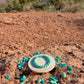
(42, 66)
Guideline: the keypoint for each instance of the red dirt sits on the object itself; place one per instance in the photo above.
(23, 34)
(41, 28)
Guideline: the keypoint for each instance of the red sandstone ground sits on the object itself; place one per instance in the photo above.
(23, 34)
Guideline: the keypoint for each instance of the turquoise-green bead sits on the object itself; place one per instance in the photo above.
(52, 82)
(38, 53)
(51, 55)
(7, 77)
(52, 78)
(42, 80)
(63, 64)
(33, 55)
(70, 67)
(21, 82)
(58, 67)
(18, 77)
(58, 57)
(63, 74)
(16, 61)
(39, 81)
(57, 60)
(69, 72)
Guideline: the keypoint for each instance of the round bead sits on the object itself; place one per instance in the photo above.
(70, 67)
(57, 67)
(53, 82)
(63, 74)
(69, 72)
(39, 81)
(7, 76)
(16, 61)
(42, 80)
(18, 77)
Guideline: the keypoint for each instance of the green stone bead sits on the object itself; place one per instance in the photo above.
(70, 67)
(16, 61)
(7, 77)
(52, 78)
(53, 82)
(38, 53)
(39, 81)
(57, 60)
(69, 72)
(42, 80)
(58, 67)
(51, 55)
(21, 82)
(58, 57)
(18, 77)
(63, 74)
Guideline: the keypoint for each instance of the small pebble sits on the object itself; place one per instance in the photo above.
(19, 67)
(51, 55)
(53, 82)
(63, 74)
(63, 64)
(7, 77)
(58, 57)
(25, 59)
(33, 55)
(21, 82)
(56, 78)
(38, 53)
(70, 67)
(18, 77)
(58, 67)
(39, 81)
(57, 60)
(29, 58)
(42, 80)
(16, 61)
(53, 79)
(69, 72)
(22, 64)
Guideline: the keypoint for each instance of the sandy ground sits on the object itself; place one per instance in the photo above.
(26, 33)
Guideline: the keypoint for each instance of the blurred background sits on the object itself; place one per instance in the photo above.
(42, 5)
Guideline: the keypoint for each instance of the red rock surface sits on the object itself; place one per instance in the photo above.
(23, 34)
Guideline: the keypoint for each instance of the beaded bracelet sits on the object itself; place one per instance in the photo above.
(42, 66)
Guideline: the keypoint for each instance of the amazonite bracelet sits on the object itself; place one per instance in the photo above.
(42, 66)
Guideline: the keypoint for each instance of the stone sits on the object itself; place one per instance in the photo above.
(56, 78)
(39, 81)
(16, 61)
(7, 77)
(53, 82)
(42, 80)
(63, 74)
(57, 60)
(18, 77)
(69, 72)
(58, 67)
(52, 78)
(70, 67)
